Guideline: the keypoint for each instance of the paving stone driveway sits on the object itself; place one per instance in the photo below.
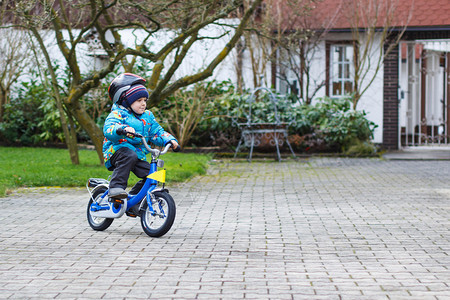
(325, 228)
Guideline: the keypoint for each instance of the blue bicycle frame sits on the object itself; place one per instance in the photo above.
(149, 186)
(146, 190)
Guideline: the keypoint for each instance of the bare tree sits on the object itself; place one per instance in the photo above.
(14, 58)
(12, 63)
(295, 31)
(71, 21)
(187, 112)
(288, 36)
(299, 35)
(377, 27)
(16, 54)
(65, 116)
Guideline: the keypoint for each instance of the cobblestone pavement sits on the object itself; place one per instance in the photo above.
(324, 228)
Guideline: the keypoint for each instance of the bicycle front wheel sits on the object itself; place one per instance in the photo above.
(158, 222)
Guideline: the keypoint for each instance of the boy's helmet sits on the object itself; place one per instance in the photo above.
(123, 83)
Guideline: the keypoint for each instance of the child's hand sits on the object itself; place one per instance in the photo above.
(131, 130)
(174, 144)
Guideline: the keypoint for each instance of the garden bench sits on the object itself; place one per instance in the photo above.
(254, 134)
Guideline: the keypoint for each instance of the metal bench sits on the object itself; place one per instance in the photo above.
(254, 134)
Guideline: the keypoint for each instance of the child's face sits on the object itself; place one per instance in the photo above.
(139, 105)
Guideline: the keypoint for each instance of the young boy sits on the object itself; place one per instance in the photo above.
(123, 154)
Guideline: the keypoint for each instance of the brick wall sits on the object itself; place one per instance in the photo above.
(390, 100)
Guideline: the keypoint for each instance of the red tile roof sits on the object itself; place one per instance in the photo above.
(338, 14)
(430, 13)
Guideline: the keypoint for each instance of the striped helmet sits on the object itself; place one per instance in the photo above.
(121, 84)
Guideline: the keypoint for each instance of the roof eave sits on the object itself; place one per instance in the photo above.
(397, 29)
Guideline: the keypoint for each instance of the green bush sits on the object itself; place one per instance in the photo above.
(359, 148)
(327, 125)
(336, 123)
(31, 117)
(218, 126)
(263, 108)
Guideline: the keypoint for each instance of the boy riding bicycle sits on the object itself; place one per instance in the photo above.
(121, 154)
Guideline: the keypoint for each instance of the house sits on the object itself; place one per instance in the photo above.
(408, 97)
(404, 89)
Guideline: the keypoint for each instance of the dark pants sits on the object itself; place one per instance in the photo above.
(123, 162)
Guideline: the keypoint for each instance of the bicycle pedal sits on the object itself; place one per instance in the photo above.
(116, 200)
(131, 214)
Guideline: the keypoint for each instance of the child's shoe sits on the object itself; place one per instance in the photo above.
(117, 193)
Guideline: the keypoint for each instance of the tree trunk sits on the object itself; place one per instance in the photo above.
(86, 122)
(3, 97)
(72, 145)
(71, 140)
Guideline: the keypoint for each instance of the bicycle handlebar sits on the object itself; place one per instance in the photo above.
(154, 152)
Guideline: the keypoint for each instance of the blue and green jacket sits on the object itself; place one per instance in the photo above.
(144, 124)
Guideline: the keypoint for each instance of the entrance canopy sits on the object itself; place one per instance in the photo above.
(436, 45)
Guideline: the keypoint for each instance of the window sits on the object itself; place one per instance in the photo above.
(341, 70)
(288, 82)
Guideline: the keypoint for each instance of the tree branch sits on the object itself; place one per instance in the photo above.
(187, 80)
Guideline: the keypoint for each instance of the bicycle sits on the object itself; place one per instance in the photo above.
(155, 207)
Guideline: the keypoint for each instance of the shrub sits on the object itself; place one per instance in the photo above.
(359, 148)
(219, 123)
(327, 125)
(31, 117)
(199, 115)
(337, 124)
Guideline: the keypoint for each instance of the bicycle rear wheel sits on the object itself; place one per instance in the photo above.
(97, 223)
(158, 222)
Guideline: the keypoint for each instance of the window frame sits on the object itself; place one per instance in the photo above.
(330, 64)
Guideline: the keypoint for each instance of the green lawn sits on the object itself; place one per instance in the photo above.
(32, 167)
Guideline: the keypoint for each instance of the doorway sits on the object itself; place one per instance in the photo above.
(424, 69)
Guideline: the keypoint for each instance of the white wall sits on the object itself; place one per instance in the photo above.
(199, 56)
(203, 51)
(372, 100)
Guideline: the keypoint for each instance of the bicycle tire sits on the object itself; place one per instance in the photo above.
(96, 223)
(158, 224)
